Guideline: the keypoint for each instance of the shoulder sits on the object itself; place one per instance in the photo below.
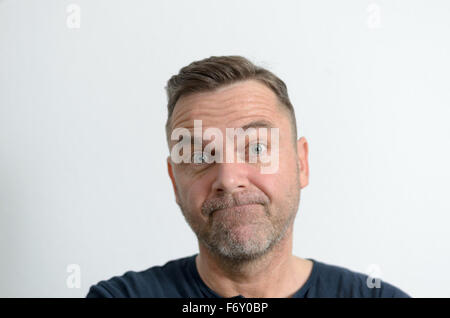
(156, 281)
(338, 281)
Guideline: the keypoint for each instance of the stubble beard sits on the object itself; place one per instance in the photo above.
(223, 236)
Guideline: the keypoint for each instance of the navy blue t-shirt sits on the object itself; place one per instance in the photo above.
(179, 278)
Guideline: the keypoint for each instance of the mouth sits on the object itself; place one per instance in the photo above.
(239, 208)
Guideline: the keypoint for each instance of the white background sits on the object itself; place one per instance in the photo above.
(83, 175)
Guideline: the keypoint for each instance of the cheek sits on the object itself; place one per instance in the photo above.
(194, 192)
(278, 184)
(267, 183)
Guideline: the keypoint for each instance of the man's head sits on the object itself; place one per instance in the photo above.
(236, 211)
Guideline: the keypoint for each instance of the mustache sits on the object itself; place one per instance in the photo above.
(233, 200)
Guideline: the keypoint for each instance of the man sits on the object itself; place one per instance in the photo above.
(242, 216)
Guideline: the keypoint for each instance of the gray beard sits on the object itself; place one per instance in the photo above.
(220, 239)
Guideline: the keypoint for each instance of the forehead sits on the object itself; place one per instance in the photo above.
(228, 106)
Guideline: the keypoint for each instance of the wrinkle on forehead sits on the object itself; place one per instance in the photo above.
(226, 105)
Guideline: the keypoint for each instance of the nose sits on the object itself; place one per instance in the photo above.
(230, 178)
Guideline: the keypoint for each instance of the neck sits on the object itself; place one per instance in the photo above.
(277, 273)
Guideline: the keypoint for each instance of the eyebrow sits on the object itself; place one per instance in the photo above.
(258, 124)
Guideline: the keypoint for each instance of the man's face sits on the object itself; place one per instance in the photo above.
(235, 210)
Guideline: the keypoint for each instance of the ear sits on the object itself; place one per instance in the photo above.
(172, 178)
(302, 152)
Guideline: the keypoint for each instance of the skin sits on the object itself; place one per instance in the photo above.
(243, 249)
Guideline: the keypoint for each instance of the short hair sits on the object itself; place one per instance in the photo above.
(217, 71)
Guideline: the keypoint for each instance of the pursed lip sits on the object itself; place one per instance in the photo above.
(238, 207)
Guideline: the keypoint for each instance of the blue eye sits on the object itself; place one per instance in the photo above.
(258, 148)
(200, 158)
